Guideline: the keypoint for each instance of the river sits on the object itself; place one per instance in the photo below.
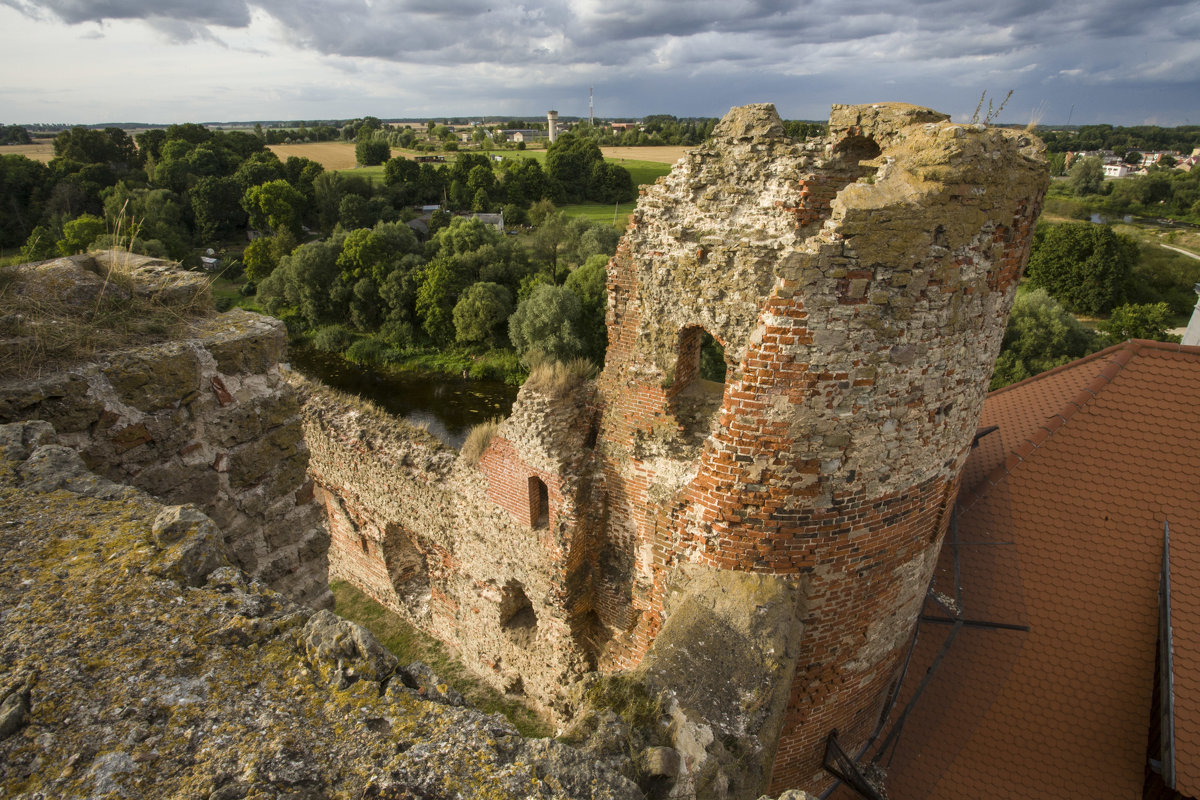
(447, 406)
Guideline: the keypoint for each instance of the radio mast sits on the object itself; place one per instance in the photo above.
(591, 109)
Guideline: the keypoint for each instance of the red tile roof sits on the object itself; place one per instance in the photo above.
(1060, 531)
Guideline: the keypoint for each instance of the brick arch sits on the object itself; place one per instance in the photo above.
(692, 400)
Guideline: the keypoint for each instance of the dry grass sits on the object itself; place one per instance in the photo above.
(42, 327)
(41, 151)
(550, 376)
(478, 439)
(663, 154)
(330, 155)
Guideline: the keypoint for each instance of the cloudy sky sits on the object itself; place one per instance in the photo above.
(90, 61)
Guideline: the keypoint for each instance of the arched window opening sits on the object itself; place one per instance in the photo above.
(539, 503)
(699, 384)
(518, 620)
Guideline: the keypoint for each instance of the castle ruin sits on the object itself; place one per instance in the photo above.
(757, 549)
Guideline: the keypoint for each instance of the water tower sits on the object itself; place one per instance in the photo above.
(552, 125)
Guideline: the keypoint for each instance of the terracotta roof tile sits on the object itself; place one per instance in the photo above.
(1060, 529)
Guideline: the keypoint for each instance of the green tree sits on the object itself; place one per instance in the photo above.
(371, 152)
(1040, 335)
(79, 233)
(569, 163)
(258, 169)
(274, 206)
(436, 298)
(303, 281)
(259, 260)
(590, 284)
(1085, 176)
(546, 323)
(41, 244)
(1138, 321)
(24, 184)
(481, 313)
(1085, 267)
(215, 206)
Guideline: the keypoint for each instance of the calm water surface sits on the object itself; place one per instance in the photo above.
(447, 406)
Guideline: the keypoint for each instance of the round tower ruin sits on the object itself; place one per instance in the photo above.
(793, 511)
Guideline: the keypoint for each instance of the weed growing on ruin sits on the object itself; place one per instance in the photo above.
(629, 699)
(556, 377)
(478, 439)
(993, 111)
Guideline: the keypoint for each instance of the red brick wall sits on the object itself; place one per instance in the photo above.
(509, 485)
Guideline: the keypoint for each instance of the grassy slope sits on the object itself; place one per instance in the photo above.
(411, 645)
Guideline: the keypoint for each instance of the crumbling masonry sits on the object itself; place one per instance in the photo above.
(757, 549)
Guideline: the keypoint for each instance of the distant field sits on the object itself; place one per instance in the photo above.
(645, 164)
(42, 151)
(602, 213)
(330, 155)
(664, 154)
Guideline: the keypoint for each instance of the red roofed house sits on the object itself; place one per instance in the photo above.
(1045, 664)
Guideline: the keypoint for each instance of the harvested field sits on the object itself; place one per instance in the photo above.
(41, 151)
(330, 155)
(664, 154)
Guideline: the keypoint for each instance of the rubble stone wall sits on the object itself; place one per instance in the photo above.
(206, 419)
(449, 545)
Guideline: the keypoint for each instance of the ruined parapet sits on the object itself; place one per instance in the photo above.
(203, 416)
(137, 661)
(860, 288)
(480, 556)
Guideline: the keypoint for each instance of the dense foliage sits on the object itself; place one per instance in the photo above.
(1041, 335)
(1085, 267)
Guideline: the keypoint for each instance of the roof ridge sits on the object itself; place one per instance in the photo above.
(1117, 357)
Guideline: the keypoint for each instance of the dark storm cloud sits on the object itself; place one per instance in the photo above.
(618, 31)
(1058, 51)
(229, 13)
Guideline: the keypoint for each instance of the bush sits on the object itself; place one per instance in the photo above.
(367, 352)
(332, 339)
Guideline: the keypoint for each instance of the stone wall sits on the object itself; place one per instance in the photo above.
(204, 418)
(449, 545)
